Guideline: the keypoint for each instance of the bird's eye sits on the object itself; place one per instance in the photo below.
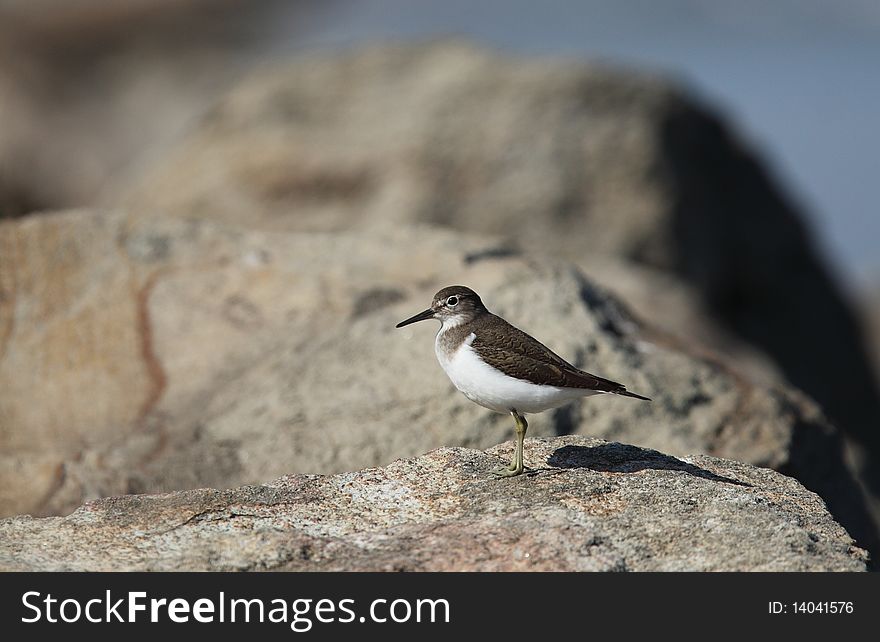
(452, 301)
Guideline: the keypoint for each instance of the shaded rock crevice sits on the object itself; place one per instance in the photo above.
(743, 245)
(156, 373)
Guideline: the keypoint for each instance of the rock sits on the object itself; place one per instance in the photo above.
(577, 160)
(591, 506)
(401, 134)
(75, 76)
(871, 316)
(181, 354)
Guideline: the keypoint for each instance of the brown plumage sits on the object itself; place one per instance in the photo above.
(517, 354)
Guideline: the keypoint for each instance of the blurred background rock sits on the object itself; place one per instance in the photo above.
(251, 177)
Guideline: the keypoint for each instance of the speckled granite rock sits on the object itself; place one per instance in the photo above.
(589, 505)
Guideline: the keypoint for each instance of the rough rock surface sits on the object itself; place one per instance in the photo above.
(591, 506)
(575, 159)
(163, 354)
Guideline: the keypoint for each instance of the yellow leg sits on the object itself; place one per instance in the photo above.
(516, 466)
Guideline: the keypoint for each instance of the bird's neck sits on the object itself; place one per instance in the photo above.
(470, 318)
(452, 322)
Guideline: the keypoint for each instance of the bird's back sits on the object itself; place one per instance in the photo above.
(516, 353)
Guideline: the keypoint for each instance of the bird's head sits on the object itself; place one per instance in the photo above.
(452, 306)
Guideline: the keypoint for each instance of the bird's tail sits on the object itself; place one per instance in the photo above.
(615, 388)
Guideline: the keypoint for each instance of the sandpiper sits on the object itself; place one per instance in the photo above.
(502, 368)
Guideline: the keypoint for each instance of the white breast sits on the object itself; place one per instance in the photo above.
(491, 388)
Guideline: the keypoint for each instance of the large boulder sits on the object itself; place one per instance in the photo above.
(145, 354)
(590, 505)
(578, 160)
(90, 89)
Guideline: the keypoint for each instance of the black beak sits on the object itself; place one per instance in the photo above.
(421, 316)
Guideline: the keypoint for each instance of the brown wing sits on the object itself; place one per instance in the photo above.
(517, 354)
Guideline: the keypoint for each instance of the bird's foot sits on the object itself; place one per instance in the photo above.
(508, 471)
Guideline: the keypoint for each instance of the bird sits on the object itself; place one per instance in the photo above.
(500, 367)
